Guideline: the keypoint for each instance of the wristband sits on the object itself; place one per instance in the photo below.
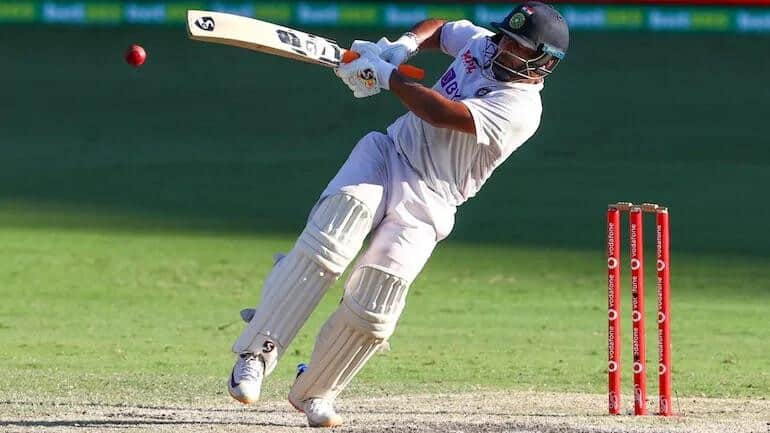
(409, 40)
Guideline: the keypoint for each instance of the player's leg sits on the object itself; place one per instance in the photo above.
(334, 233)
(375, 296)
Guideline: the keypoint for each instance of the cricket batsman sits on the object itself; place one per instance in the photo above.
(401, 188)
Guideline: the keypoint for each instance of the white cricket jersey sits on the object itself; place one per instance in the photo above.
(456, 164)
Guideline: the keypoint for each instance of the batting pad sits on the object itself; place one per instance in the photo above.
(336, 230)
(366, 318)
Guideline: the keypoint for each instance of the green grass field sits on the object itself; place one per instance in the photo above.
(139, 211)
(109, 313)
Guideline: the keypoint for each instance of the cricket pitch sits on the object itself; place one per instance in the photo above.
(471, 412)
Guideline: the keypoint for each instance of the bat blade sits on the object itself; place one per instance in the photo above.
(265, 37)
(253, 34)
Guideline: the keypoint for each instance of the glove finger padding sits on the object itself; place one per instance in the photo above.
(384, 43)
(398, 51)
(391, 52)
(366, 48)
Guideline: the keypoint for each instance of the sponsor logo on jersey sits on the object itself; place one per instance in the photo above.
(449, 75)
(470, 62)
(449, 84)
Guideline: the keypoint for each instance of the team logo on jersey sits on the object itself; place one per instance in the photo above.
(368, 77)
(517, 20)
(483, 91)
(206, 24)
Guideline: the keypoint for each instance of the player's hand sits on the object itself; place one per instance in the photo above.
(369, 73)
(400, 50)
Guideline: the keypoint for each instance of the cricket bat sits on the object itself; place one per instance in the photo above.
(265, 37)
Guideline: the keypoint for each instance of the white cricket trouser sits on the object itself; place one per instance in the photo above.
(409, 217)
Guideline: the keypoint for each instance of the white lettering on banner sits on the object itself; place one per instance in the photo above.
(660, 346)
(612, 365)
(312, 14)
(660, 20)
(611, 290)
(659, 287)
(611, 239)
(242, 9)
(585, 18)
(146, 13)
(635, 292)
(635, 341)
(753, 21)
(484, 14)
(396, 16)
(64, 13)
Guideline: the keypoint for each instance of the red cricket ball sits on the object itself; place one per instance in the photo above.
(135, 55)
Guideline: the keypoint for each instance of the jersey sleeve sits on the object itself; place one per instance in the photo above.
(455, 35)
(497, 115)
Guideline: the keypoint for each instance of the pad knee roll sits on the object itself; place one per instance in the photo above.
(334, 233)
(367, 317)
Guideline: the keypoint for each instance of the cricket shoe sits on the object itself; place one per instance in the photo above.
(246, 378)
(319, 412)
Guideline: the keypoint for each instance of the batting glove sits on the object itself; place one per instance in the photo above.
(369, 73)
(400, 50)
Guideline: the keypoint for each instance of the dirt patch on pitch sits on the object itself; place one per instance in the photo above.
(476, 412)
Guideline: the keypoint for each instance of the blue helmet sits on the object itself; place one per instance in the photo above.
(539, 27)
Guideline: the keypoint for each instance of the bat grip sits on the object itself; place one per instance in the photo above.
(410, 71)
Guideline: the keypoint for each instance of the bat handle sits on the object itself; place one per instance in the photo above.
(410, 71)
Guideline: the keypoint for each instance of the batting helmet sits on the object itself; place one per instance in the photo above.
(538, 27)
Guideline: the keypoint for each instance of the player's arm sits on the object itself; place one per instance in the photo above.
(448, 36)
(431, 106)
(424, 35)
(428, 33)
